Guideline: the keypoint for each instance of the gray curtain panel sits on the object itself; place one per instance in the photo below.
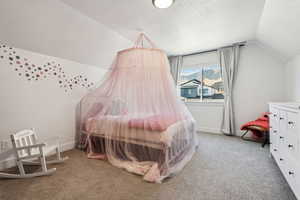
(229, 60)
(175, 67)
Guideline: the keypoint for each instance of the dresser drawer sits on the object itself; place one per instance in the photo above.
(282, 143)
(291, 173)
(274, 117)
(285, 141)
(281, 161)
(292, 135)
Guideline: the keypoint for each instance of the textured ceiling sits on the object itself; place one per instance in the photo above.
(279, 26)
(187, 26)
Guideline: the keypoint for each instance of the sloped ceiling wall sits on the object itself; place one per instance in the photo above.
(53, 28)
(279, 26)
(187, 26)
(195, 25)
(91, 31)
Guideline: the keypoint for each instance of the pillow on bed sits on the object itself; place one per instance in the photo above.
(153, 123)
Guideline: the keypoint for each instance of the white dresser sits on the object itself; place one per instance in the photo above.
(285, 141)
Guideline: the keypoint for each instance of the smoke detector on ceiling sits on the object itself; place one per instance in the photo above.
(162, 3)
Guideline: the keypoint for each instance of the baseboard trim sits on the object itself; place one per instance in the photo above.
(209, 130)
(10, 161)
(239, 133)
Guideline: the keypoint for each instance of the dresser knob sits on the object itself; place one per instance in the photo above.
(281, 159)
(290, 145)
(274, 131)
(275, 149)
(290, 122)
(291, 173)
(281, 118)
(281, 137)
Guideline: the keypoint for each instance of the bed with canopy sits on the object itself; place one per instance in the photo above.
(135, 120)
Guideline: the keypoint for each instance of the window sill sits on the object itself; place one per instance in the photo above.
(203, 103)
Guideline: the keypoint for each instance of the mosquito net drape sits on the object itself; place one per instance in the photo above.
(135, 120)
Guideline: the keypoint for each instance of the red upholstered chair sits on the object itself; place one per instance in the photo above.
(259, 129)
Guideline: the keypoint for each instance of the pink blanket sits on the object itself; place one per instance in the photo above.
(153, 123)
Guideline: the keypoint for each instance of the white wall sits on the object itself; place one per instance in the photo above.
(41, 103)
(207, 115)
(49, 27)
(53, 28)
(292, 77)
(260, 80)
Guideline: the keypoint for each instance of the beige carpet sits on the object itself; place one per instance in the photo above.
(224, 168)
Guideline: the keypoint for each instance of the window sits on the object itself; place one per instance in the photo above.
(201, 80)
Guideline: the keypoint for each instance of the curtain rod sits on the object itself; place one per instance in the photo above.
(211, 50)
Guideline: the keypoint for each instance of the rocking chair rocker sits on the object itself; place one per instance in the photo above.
(26, 150)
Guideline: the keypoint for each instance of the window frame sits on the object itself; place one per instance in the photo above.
(201, 100)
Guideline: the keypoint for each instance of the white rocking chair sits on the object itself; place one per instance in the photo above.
(27, 149)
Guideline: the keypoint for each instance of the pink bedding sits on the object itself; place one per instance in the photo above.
(153, 123)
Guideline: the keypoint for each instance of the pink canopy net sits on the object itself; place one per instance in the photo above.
(135, 120)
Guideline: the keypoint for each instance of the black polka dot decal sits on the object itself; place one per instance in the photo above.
(32, 72)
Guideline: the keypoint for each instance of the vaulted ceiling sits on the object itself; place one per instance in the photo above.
(187, 26)
(279, 26)
(195, 25)
(89, 31)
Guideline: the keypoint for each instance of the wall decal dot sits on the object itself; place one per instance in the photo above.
(50, 69)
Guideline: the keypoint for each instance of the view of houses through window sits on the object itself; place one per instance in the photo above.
(201, 83)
